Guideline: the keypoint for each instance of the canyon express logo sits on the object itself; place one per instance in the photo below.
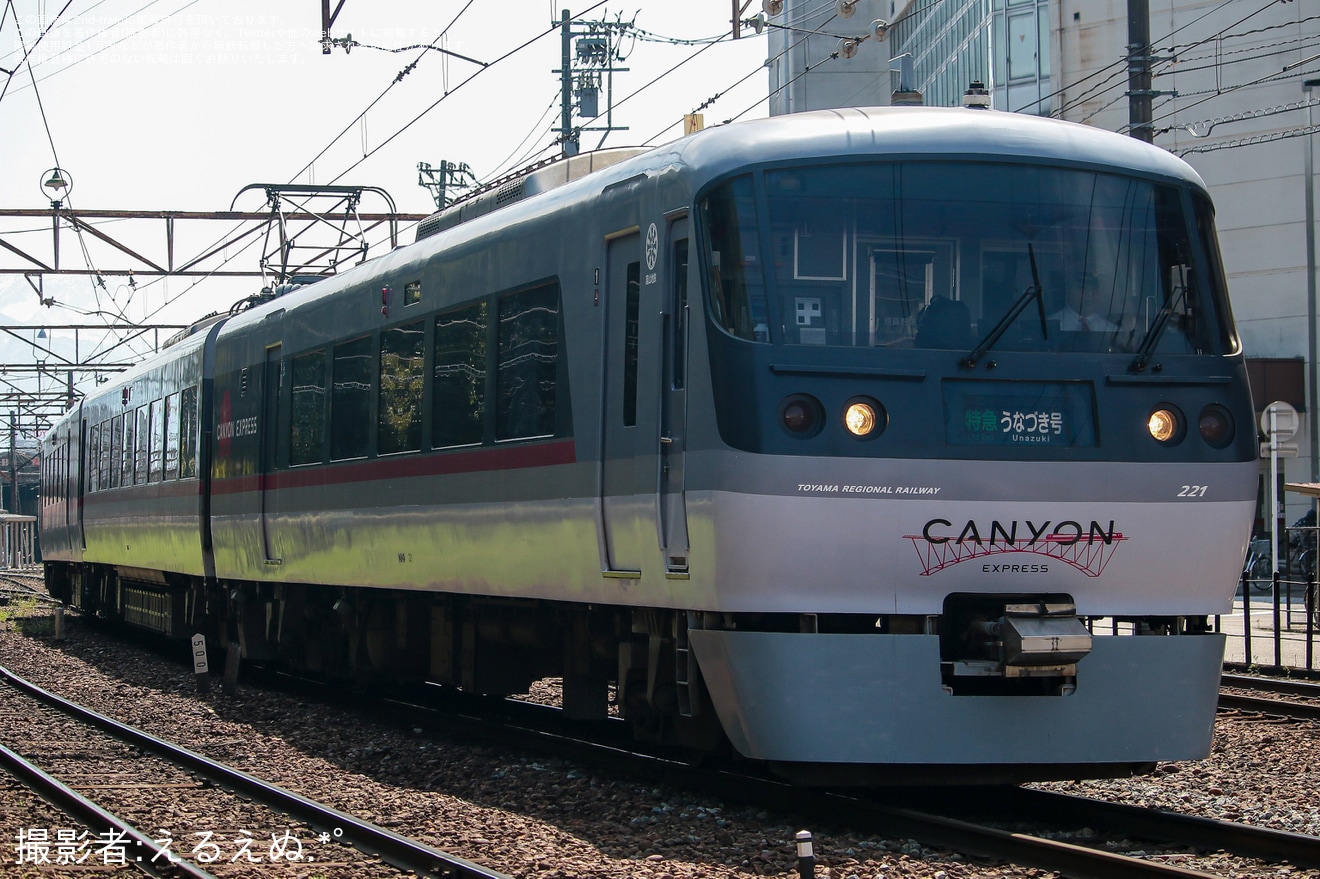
(1016, 546)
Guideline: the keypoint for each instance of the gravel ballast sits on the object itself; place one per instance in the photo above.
(544, 818)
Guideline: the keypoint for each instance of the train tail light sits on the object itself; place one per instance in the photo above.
(801, 415)
(1216, 426)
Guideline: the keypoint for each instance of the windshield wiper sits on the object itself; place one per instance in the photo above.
(1157, 329)
(1019, 305)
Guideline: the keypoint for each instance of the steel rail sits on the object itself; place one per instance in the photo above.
(1279, 707)
(1212, 834)
(81, 809)
(1076, 861)
(1286, 686)
(400, 851)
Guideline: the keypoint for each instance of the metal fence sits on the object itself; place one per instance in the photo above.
(1276, 616)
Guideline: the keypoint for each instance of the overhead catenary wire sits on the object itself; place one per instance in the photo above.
(1118, 68)
(1122, 62)
(28, 50)
(57, 25)
(55, 153)
(109, 46)
(168, 301)
(378, 147)
(509, 54)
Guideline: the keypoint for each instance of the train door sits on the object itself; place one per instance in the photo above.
(619, 509)
(270, 406)
(672, 508)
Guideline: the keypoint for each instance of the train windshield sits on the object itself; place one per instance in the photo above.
(954, 254)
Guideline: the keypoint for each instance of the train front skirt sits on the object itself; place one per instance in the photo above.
(877, 701)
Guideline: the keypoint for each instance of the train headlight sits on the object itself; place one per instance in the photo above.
(1165, 425)
(1216, 426)
(864, 417)
(801, 415)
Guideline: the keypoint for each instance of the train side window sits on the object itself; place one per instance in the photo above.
(172, 437)
(130, 434)
(632, 308)
(103, 457)
(527, 363)
(143, 440)
(93, 454)
(101, 468)
(188, 433)
(680, 312)
(458, 380)
(156, 454)
(402, 375)
(116, 450)
(307, 426)
(350, 399)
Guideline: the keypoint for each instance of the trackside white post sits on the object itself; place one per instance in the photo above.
(201, 668)
(806, 857)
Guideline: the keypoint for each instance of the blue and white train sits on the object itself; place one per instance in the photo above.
(887, 445)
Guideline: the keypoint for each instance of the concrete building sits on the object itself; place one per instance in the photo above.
(1236, 92)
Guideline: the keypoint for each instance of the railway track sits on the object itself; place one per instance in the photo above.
(1304, 703)
(936, 824)
(25, 585)
(88, 750)
(933, 822)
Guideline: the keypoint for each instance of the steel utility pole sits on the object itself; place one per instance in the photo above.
(13, 463)
(566, 135)
(1139, 60)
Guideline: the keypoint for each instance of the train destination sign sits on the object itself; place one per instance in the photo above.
(1019, 414)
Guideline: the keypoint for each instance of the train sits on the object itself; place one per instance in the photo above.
(880, 446)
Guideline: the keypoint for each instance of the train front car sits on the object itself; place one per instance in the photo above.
(985, 459)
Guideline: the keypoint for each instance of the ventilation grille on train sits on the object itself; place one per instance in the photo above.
(511, 191)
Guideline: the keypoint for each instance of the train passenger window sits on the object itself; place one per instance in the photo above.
(103, 457)
(632, 306)
(188, 433)
(350, 399)
(130, 434)
(172, 436)
(156, 454)
(402, 375)
(143, 440)
(737, 290)
(458, 381)
(307, 426)
(116, 451)
(93, 455)
(528, 360)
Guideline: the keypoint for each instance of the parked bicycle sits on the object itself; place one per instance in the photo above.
(1256, 568)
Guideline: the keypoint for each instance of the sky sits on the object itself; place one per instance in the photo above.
(179, 104)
